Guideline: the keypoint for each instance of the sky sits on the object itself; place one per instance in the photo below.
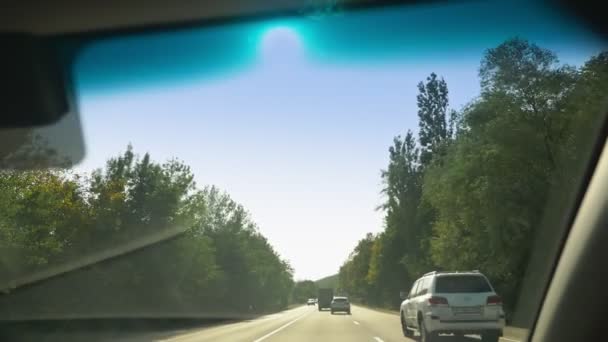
(292, 118)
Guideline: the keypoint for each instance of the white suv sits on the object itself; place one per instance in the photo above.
(452, 302)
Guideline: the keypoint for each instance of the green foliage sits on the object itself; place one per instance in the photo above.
(220, 261)
(435, 126)
(303, 290)
(474, 195)
(352, 278)
(39, 215)
(330, 282)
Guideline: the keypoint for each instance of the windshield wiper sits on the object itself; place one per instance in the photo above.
(91, 259)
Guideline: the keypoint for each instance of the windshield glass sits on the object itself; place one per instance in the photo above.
(461, 284)
(238, 169)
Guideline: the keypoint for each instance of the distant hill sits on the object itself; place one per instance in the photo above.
(328, 282)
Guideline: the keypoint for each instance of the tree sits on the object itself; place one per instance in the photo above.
(492, 176)
(397, 253)
(529, 81)
(303, 290)
(493, 185)
(435, 125)
(42, 212)
(218, 261)
(352, 278)
(251, 274)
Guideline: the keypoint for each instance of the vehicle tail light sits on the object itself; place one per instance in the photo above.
(494, 300)
(438, 301)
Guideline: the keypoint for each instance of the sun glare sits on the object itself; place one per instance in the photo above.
(280, 42)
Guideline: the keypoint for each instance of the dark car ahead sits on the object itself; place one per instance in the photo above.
(340, 304)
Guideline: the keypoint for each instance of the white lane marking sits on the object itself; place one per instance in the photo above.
(508, 339)
(238, 325)
(281, 327)
(272, 316)
(378, 339)
(357, 323)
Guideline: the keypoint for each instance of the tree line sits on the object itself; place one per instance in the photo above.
(218, 261)
(469, 191)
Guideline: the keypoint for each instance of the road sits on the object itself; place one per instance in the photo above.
(304, 324)
(301, 324)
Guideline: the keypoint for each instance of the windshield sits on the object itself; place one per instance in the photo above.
(237, 170)
(461, 284)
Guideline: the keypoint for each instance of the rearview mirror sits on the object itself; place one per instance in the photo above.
(39, 125)
(403, 295)
(33, 85)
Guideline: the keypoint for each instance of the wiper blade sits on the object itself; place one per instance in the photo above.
(91, 259)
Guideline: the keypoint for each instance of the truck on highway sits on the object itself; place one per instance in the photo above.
(324, 298)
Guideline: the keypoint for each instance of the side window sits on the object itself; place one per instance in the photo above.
(413, 290)
(424, 286)
(430, 285)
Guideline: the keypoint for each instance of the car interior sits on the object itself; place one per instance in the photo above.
(562, 297)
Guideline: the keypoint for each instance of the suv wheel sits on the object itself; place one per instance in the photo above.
(426, 336)
(490, 337)
(406, 332)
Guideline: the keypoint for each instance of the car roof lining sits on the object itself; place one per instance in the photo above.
(61, 17)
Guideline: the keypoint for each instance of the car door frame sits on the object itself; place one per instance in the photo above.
(410, 303)
(421, 297)
(576, 288)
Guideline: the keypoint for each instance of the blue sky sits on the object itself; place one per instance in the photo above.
(293, 118)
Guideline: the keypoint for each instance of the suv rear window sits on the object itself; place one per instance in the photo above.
(340, 300)
(462, 284)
